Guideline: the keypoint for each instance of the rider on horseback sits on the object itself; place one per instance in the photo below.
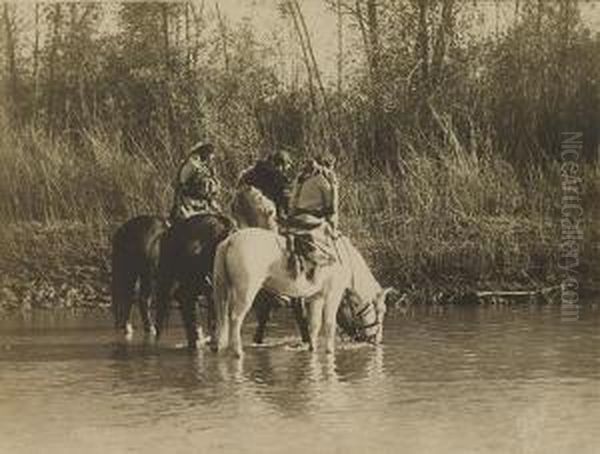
(263, 193)
(311, 228)
(315, 199)
(271, 177)
(197, 186)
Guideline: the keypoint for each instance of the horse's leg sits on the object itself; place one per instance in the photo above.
(211, 316)
(332, 303)
(241, 304)
(188, 315)
(165, 291)
(123, 293)
(123, 282)
(146, 291)
(262, 308)
(299, 308)
(315, 315)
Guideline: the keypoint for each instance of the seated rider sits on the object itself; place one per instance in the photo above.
(196, 186)
(271, 177)
(315, 198)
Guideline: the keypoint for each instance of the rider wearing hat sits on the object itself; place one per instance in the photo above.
(196, 186)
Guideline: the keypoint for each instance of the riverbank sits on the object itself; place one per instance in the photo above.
(440, 227)
(67, 265)
(61, 265)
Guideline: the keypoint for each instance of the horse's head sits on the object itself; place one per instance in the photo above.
(363, 320)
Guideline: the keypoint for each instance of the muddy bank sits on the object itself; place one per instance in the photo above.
(57, 266)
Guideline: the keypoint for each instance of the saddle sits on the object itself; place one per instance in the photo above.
(310, 243)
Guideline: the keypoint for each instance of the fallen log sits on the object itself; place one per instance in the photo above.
(515, 293)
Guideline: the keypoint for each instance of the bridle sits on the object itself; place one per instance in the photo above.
(357, 328)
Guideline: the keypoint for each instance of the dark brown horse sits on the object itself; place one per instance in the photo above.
(185, 270)
(150, 260)
(135, 256)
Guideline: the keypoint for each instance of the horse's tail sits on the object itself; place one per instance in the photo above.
(221, 296)
(122, 282)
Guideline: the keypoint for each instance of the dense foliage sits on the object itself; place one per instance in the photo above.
(446, 115)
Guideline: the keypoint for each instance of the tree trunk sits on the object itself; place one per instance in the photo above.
(315, 66)
(378, 145)
(165, 33)
(187, 37)
(540, 14)
(363, 29)
(223, 30)
(373, 43)
(422, 42)
(12, 84)
(36, 57)
(444, 36)
(340, 49)
(52, 115)
(166, 98)
(309, 70)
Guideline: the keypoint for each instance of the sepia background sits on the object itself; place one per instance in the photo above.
(449, 120)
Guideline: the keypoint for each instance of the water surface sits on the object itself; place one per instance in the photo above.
(449, 380)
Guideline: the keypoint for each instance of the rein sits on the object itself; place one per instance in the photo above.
(356, 328)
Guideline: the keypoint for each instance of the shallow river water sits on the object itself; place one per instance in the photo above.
(507, 379)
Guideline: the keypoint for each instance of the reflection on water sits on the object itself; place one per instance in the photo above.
(492, 379)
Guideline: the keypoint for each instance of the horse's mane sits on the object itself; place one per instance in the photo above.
(363, 282)
(215, 219)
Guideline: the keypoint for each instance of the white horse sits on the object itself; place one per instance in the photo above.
(253, 258)
(251, 208)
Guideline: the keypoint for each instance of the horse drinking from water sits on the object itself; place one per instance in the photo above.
(252, 258)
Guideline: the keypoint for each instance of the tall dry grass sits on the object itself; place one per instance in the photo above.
(447, 219)
(48, 180)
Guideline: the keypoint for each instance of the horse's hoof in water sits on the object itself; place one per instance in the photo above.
(219, 348)
(151, 332)
(192, 346)
(127, 330)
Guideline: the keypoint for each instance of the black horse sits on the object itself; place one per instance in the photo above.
(135, 257)
(185, 268)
